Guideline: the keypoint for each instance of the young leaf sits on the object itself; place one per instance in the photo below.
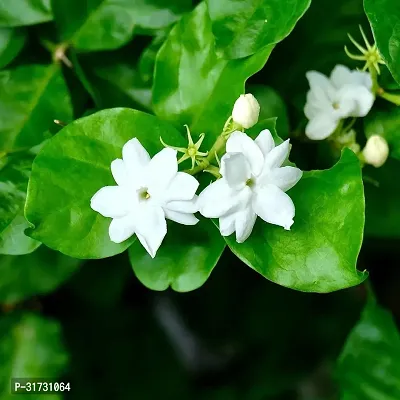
(31, 347)
(13, 183)
(31, 97)
(320, 251)
(24, 12)
(384, 17)
(184, 261)
(192, 84)
(109, 24)
(241, 28)
(11, 43)
(37, 273)
(386, 124)
(73, 166)
(369, 366)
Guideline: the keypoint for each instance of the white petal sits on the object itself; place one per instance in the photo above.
(244, 224)
(239, 142)
(135, 157)
(182, 187)
(121, 229)
(360, 98)
(265, 141)
(219, 199)
(285, 177)
(185, 206)
(274, 206)
(321, 89)
(151, 228)
(110, 201)
(321, 127)
(235, 169)
(119, 172)
(181, 218)
(227, 224)
(277, 156)
(341, 75)
(160, 171)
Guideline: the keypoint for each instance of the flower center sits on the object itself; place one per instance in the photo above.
(250, 182)
(191, 151)
(336, 105)
(143, 194)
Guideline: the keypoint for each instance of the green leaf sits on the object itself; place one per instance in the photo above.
(241, 28)
(73, 166)
(30, 347)
(384, 17)
(195, 86)
(109, 24)
(24, 12)
(11, 43)
(272, 105)
(369, 366)
(34, 274)
(13, 184)
(184, 261)
(320, 251)
(31, 97)
(387, 125)
(382, 195)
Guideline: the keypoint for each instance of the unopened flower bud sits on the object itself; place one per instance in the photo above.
(246, 111)
(376, 151)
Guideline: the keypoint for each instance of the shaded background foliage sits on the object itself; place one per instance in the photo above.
(238, 336)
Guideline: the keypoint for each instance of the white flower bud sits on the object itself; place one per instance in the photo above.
(246, 111)
(376, 151)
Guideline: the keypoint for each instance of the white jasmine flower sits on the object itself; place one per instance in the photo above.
(246, 111)
(345, 94)
(148, 191)
(376, 151)
(253, 184)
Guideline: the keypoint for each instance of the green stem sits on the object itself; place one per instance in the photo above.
(393, 98)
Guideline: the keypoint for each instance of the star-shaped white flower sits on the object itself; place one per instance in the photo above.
(253, 184)
(345, 94)
(148, 191)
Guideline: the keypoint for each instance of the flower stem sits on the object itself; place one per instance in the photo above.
(393, 98)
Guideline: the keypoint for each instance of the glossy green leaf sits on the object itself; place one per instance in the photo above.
(384, 17)
(241, 28)
(33, 274)
(382, 198)
(320, 251)
(73, 166)
(272, 105)
(24, 12)
(31, 97)
(192, 84)
(11, 43)
(386, 124)
(109, 24)
(369, 366)
(30, 347)
(184, 261)
(13, 183)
